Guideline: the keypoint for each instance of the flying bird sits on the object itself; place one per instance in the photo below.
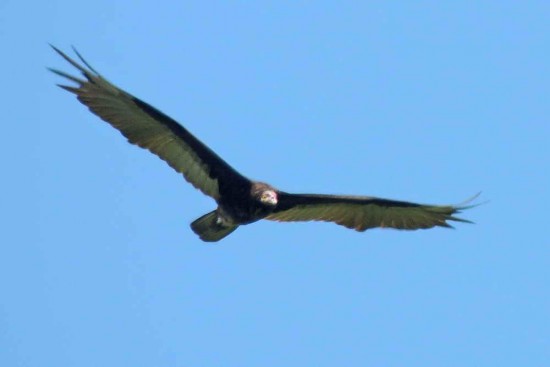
(239, 200)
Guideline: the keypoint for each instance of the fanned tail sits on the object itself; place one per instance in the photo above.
(209, 229)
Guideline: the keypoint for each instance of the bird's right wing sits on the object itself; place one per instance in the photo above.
(149, 128)
(362, 212)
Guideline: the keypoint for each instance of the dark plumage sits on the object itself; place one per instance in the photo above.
(240, 200)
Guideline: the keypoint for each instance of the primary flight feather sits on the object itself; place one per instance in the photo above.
(240, 200)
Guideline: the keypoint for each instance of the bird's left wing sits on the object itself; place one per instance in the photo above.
(362, 212)
(149, 128)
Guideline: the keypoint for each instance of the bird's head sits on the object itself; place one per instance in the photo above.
(268, 197)
(264, 193)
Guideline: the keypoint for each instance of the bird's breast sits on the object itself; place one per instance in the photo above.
(244, 212)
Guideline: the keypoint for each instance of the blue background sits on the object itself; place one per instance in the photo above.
(424, 101)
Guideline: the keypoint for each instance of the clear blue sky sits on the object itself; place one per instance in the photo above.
(424, 101)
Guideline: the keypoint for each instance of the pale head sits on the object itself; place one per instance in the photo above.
(264, 193)
(268, 197)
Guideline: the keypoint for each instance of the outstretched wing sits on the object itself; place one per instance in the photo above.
(362, 212)
(149, 128)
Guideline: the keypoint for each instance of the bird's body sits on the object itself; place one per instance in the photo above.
(240, 200)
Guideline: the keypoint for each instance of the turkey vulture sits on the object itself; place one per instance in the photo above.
(240, 200)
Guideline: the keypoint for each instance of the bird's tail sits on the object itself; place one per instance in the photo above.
(209, 229)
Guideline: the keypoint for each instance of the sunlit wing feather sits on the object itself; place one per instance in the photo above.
(361, 212)
(151, 129)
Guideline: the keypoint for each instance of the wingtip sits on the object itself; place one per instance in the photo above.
(87, 73)
(65, 75)
(462, 220)
(83, 60)
(467, 204)
(445, 224)
(61, 53)
(52, 46)
(68, 88)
